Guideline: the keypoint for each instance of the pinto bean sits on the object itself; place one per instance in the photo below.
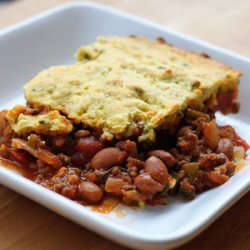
(226, 147)
(157, 169)
(107, 158)
(166, 157)
(89, 146)
(145, 183)
(90, 192)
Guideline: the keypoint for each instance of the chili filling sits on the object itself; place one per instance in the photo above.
(198, 155)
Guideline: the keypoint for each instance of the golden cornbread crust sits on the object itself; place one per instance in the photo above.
(120, 84)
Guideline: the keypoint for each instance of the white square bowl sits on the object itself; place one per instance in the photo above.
(52, 38)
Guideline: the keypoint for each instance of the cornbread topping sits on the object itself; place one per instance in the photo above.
(120, 84)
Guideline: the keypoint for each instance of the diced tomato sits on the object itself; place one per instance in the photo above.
(225, 101)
